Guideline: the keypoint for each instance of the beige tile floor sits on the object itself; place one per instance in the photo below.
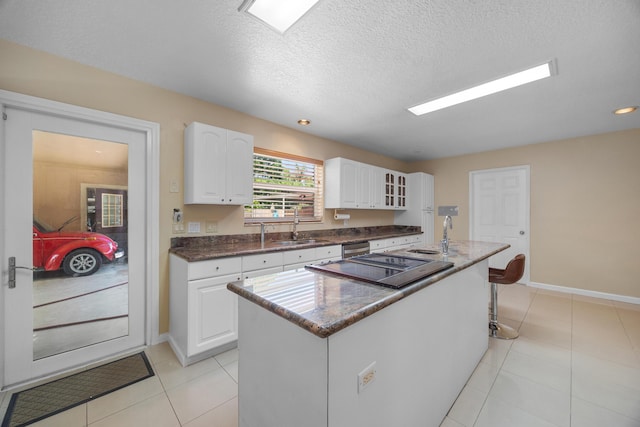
(575, 364)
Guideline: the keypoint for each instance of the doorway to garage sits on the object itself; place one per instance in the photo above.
(23, 116)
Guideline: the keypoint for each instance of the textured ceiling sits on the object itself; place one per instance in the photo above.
(353, 67)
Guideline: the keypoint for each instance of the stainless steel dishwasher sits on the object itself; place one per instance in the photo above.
(354, 249)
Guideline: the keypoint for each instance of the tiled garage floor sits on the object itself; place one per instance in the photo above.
(576, 364)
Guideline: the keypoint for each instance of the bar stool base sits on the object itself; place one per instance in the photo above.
(503, 332)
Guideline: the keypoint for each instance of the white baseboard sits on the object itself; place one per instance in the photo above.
(188, 360)
(585, 292)
(160, 338)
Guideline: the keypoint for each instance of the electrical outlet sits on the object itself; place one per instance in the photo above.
(366, 377)
(193, 227)
(178, 227)
(211, 227)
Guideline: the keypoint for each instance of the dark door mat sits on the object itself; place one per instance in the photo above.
(28, 406)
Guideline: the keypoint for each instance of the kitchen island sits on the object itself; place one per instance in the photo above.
(322, 350)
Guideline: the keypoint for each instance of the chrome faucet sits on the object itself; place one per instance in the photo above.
(262, 229)
(296, 221)
(445, 238)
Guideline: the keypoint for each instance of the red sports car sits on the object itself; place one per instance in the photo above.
(77, 253)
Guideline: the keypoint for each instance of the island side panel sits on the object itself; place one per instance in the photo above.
(425, 348)
(282, 371)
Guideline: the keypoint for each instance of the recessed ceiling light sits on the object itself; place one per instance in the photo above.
(494, 86)
(304, 122)
(277, 14)
(626, 110)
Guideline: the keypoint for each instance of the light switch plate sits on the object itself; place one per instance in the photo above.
(193, 227)
(173, 186)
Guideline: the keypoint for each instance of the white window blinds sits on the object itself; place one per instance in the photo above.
(282, 183)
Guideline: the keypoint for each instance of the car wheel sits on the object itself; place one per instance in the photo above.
(82, 262)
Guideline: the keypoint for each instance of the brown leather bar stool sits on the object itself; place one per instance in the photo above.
(511, 274)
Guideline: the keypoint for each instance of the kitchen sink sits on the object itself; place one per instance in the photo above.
(297, 242)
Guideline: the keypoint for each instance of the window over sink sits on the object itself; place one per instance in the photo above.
(283, 183)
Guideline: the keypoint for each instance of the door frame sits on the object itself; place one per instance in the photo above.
(526, 278)
(152, 159)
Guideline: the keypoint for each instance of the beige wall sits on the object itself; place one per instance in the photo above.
(34, 73)
(585, 207)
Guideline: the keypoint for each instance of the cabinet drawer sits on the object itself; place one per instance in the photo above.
(377, 244)
(392, 241)
(329, 252)
(214, 267)
(411, 240)
(262, 272)
(256, 262)
(300, 255)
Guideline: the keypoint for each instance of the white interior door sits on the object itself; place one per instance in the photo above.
(21, 363)
(499, 212)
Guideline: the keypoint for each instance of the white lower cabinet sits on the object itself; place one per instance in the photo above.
(377, 245)
(212, 314)
(327, 253)
(203, 313)
(395, 243)
(298, 258)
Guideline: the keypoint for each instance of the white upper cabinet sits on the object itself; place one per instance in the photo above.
(376, 179)
(420, 193)
(427, 193)
(402, 185)
(395, 190)
(419, 211)
(355, 185)
(341, 176)
(218, 166)
(370, 187)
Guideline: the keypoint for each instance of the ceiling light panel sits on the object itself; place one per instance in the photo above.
(277, 14)
(513, 80)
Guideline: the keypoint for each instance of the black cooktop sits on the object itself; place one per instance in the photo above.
(394, 271)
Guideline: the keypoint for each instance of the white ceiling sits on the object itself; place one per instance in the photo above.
(353, 67)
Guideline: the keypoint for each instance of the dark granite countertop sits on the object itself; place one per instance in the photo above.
(324, 304)
(202, 248)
